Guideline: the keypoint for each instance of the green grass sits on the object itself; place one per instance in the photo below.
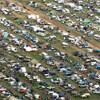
(36, 55)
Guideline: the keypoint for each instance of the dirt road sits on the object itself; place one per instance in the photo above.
(55, 23)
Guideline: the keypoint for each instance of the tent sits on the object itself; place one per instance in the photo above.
(60, 1)
(37, 96)
(5, 34)
(91, 75)
(72, 5)
(23, 90)
(33, 16)
(23, 69)
(91, 33)
(12, 98)
(51, 12)
(97, 66)
(85, 21)
(78, 8)
(97, 51)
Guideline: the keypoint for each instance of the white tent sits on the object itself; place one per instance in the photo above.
(23, 70)
(60, 1)
(30, 49)
(72, 5)
(33, 16)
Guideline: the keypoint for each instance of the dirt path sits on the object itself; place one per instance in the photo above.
(55, 23)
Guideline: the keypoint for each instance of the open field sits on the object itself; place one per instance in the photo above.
(36, 58)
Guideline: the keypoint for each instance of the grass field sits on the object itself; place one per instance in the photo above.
(36, 55)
